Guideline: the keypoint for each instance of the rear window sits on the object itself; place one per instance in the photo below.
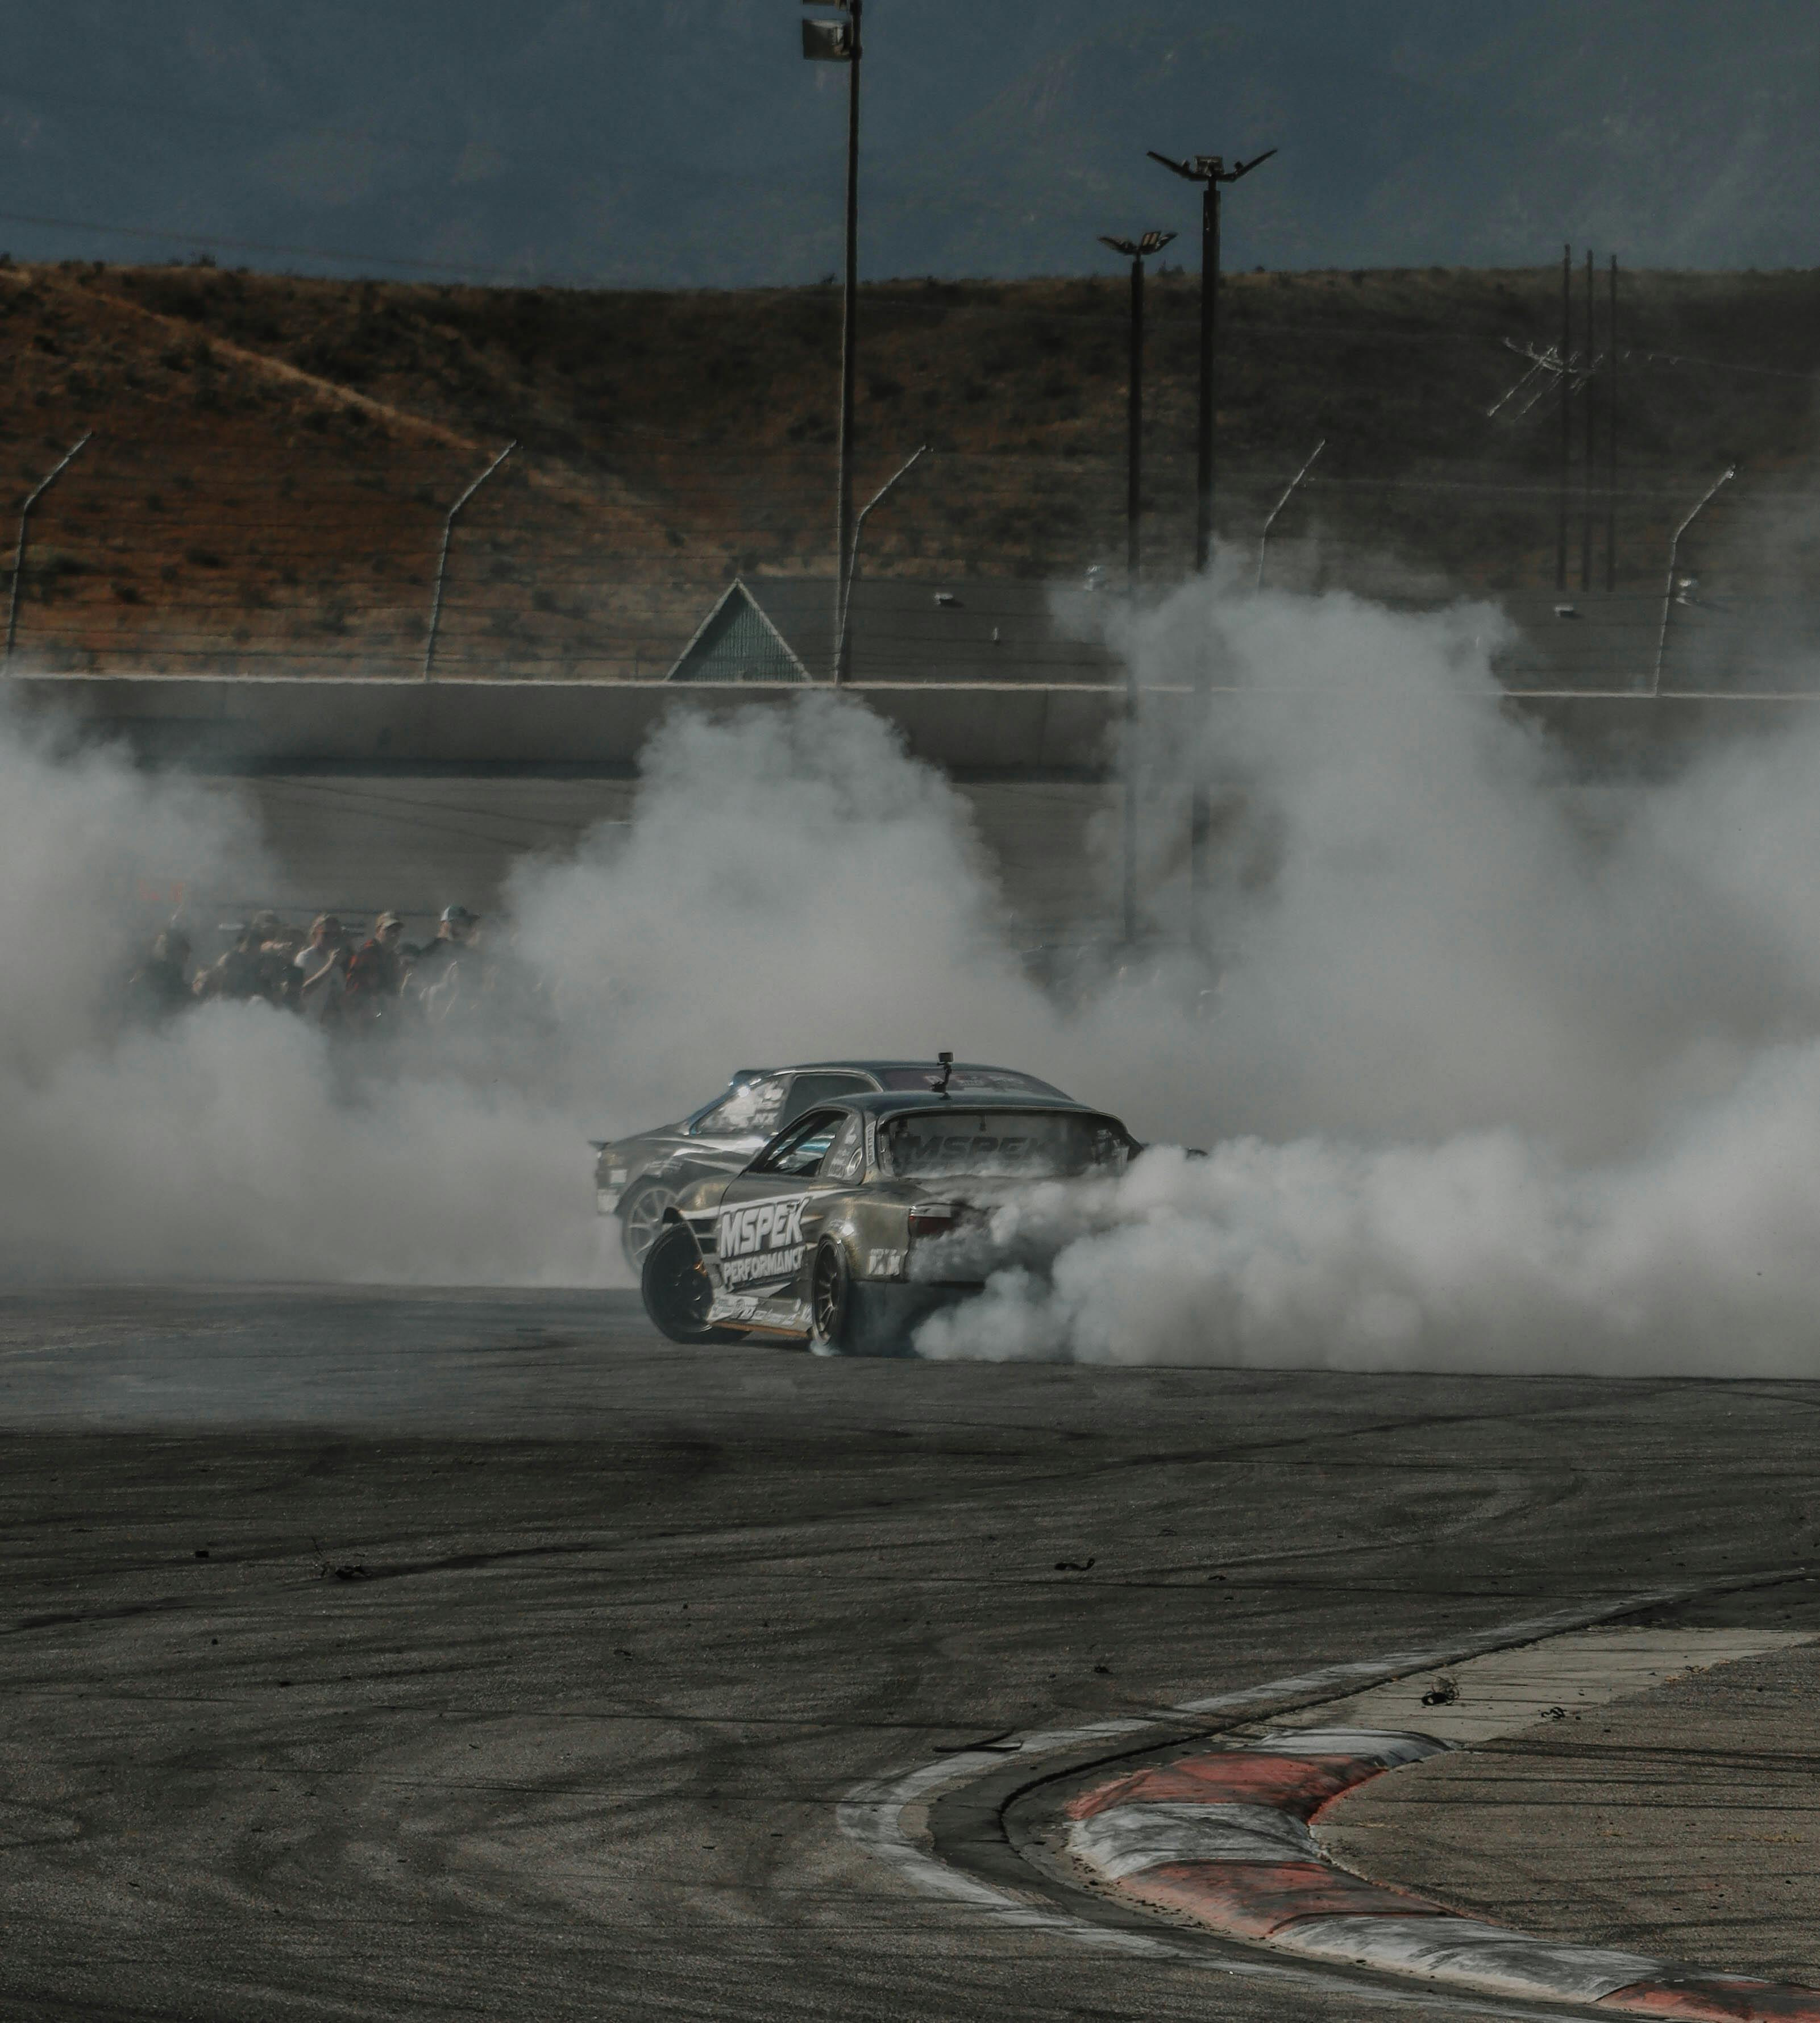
(1017, 1145)
(969, 1081)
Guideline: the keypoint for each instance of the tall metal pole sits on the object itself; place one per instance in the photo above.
(1567, 414)
(1210, 171)
(1611, 436)
(37, 492)
(1135, 250)
(1203, 466)
(1135, 427)
(442, 556)
(849, 356)
(1591, 397)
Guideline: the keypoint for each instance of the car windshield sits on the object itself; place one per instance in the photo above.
(1005, 1144)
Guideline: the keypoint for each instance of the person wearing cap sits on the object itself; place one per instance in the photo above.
(454, 932)
(375, 972)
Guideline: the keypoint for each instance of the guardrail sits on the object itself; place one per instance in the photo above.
(236, 724)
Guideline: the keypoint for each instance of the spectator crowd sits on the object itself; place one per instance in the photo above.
(330, 976)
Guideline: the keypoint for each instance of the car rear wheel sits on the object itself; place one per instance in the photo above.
(831, 1301)
(640, 1217)
(677, 1291)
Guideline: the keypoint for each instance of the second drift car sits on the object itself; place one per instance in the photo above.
(862, 1217)
(641, 1177)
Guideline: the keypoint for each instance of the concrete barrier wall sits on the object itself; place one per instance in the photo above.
(234, 723)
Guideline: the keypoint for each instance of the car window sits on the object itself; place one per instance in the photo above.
(748, 1109)
(797, 1152)
(808, 1090)
(847, 1158)
(1025, 1145)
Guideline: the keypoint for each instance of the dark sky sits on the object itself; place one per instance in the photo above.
(686, 142)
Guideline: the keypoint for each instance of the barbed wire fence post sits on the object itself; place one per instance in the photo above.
(1724, 478)
(442, 556)
(37, 492)
(1294, 486)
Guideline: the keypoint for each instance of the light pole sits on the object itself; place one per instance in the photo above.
(1137, 251)
(838, 41)
(1211, 172)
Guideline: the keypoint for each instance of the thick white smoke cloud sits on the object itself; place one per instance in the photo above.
(1499, 1072)
(231, 1143)
(1493, 1071)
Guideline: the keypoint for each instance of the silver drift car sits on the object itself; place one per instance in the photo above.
(863, 1216)
(640, 1178)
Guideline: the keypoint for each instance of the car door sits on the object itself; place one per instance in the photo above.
(769, 1214)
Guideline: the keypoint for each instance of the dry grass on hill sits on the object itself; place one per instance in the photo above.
(272, 458)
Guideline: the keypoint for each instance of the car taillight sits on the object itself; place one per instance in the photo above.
(932, 1218)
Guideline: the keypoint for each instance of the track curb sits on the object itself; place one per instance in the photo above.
(1224, 1836)
(947, 1828)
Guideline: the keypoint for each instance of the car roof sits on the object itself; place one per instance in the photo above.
(896, 1101)
(877, 1066)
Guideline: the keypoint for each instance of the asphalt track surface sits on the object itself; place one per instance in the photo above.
(531, 1654)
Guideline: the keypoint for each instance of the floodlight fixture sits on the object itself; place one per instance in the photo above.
(827, 42)
(1209, 168)
(1139, 249)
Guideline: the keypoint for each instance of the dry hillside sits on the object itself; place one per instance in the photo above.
(271, 459)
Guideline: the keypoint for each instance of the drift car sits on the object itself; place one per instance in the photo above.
(641, 1178)
(863, 1216)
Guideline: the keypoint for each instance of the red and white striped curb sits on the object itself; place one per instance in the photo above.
(1224, 1837)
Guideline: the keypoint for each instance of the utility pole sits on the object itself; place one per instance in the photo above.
(1137, 251)
(838, 41)
(1611, 437)
(1211, 172)
(1567, 414)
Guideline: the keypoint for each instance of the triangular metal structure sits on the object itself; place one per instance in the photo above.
(737, 642)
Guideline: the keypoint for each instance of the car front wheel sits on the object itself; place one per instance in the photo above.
(640, 1217)
(676, 1289)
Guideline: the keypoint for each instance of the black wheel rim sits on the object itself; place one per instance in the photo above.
(686, 1284)
(827, 1295)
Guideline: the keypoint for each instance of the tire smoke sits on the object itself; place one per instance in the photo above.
(1496, 1067)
